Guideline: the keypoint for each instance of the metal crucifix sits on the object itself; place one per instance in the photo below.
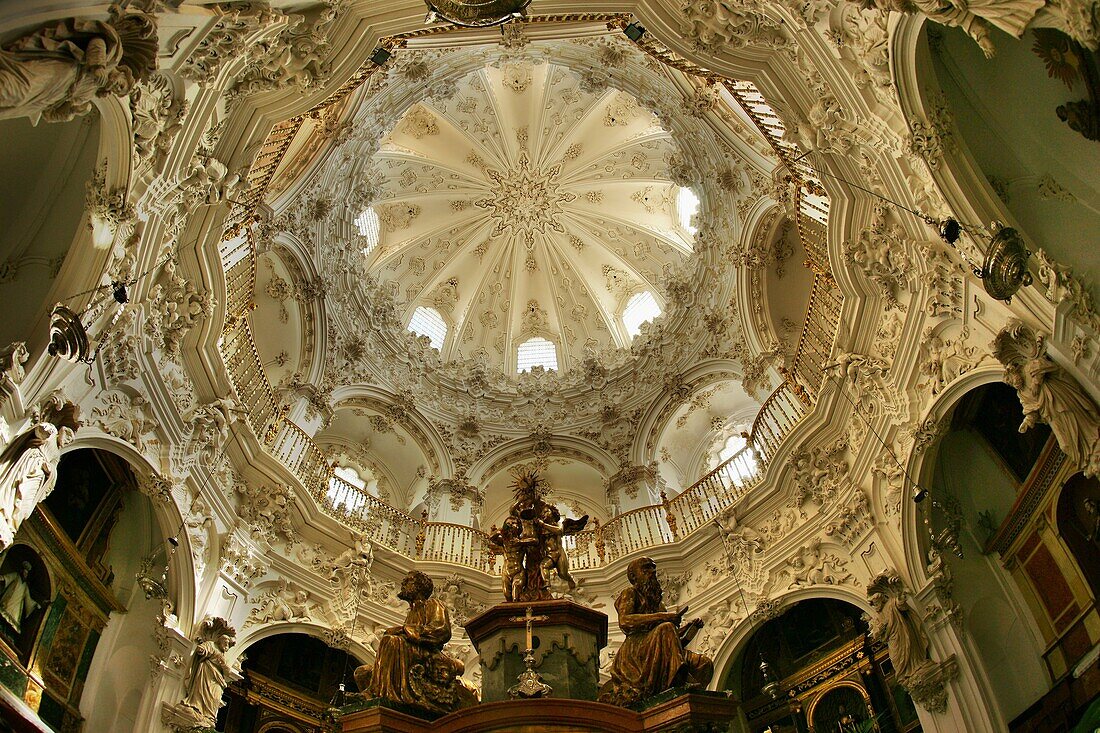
(530, 684)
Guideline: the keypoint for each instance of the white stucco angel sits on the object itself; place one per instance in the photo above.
(53, 73)
(28, 465)
(1047, 394)
(360, 557)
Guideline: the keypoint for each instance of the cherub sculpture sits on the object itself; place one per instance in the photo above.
(553, 554)
(530, 540)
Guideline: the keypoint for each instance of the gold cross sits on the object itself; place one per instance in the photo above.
(529, 618)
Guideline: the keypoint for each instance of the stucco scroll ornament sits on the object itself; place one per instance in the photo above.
(894, 622)
(715, 25)
(28, 465)
(1047, 394)
(207, 679)
(283, 603)
(53, 73)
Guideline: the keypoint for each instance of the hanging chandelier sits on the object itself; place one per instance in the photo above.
(1004, 269)
(476, 13)
(69, 337)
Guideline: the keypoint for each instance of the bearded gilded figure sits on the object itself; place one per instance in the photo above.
(653, 658)
(411, 667)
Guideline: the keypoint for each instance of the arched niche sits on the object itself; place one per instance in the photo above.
(43, 172)
(281, 667)
(27, 591)
(1078, 521)
(97, 513)
(974, 475)
(819, 652)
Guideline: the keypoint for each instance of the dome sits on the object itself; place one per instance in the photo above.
(527, 206)
(554, 222)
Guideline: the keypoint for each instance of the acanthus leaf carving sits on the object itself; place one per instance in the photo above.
(713, 26)
(819, 473)
(173, 307)
(124, 416)
(881, 254)
(267, 511)
(812, 565)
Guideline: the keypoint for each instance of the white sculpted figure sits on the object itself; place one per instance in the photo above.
(361, 556)
(210, 672)
(15, 599)
(12, 358)
(1047, 394)
(1011, 16)
(894, 622)
(53, 73)
(28, 465)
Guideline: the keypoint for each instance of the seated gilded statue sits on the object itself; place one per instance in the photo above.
(653, 658)
(411, 667)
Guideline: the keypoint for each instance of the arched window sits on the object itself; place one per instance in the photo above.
(427, 322)
(350, 475)
(742, 469)
(687, 206)
(536, 352)
(733, 444)
(370, 227)
(347, 489)
(640, 309)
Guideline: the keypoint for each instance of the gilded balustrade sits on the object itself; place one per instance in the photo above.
(246, 371)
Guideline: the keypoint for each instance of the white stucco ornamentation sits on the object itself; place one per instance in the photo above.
(28, 464)
(1047, 394)
(55, 72)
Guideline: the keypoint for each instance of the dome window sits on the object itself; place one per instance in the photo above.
(427, 322)
(369, 227)
(640, 309)
(350, 475)
(346, 490)
(743, 469)
(687, 206)
(536, 352)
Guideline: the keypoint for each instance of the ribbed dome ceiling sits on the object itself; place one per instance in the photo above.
(524, 206)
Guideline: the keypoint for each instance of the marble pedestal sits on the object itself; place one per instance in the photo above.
(566, 643)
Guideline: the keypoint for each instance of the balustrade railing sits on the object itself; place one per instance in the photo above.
(246, 371)
(297, 451)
